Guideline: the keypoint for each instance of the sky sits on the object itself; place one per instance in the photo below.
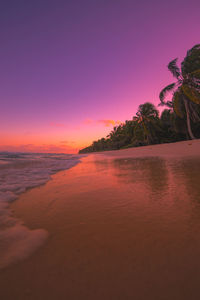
(71, 70)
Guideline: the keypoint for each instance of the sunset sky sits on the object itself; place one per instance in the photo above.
(72, 69)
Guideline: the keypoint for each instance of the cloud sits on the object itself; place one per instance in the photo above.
(109, 123)
(106, 122)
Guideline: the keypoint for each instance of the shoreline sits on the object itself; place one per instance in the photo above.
(19, 241)
(177, 149)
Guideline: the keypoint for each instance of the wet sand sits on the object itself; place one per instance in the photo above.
(122, 225)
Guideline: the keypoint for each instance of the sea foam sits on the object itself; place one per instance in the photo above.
(18, 172)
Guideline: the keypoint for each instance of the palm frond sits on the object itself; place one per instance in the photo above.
(191, 93)
(174, 69)
(196, 47)
(167, 89)
(195, 74)
(169, 104)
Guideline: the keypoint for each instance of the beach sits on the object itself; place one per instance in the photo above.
(120, 224)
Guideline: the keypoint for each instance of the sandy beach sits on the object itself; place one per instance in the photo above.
(179, 149)
(121, 225)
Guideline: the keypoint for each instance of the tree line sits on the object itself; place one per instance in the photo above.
(180, 120)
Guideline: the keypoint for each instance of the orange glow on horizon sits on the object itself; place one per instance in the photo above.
(56, 137)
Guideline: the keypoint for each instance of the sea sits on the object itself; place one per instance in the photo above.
(19, 172)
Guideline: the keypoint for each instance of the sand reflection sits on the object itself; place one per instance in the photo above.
(150, 171)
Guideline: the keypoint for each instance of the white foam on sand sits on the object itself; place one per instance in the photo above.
(18, 242)
(18, 172)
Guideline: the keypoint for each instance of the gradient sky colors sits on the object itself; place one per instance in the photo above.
(70, 70)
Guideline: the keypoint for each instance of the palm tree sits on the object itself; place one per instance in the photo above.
(145, 122)
(186, 90)
(173, 127)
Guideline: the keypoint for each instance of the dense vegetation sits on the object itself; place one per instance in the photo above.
(180, 120)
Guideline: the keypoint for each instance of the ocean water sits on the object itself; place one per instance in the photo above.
(19, 172)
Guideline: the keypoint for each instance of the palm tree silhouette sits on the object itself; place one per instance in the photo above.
(186, 90)
(145, 120)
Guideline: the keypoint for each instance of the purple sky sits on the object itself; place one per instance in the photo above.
(68, 67)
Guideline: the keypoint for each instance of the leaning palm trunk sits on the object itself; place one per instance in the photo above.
(188, 120)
